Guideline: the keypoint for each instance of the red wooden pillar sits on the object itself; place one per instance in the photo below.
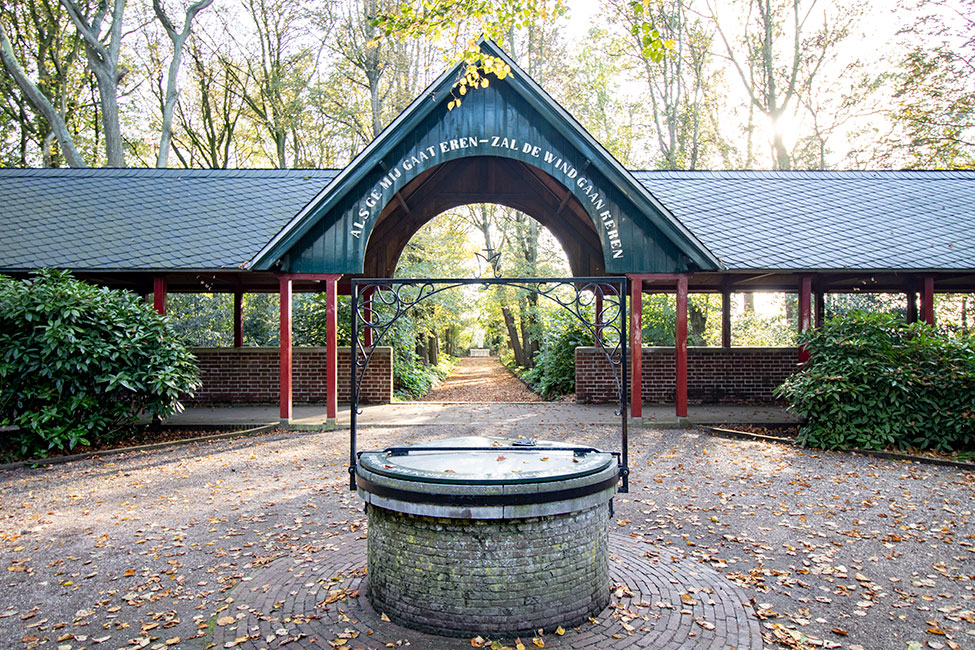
(927, 299)
(599, 318)
(681, 347)
(159, 290)
(238, 319)
(285, 293)
(805, 311)
(725, 318)
(331, 349)
(636, 347)
(367, 334)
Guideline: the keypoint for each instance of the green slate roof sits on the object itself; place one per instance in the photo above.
(115, 219)
(826, 220)
(149, 219)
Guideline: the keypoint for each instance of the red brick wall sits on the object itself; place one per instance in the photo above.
(251, 376)
(714, 375)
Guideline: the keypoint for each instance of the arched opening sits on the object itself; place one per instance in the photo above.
(484, 179)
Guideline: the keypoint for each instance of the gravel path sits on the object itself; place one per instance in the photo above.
(480, 379)
(144, 549)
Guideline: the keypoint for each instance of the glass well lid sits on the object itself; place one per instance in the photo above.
(483, 461)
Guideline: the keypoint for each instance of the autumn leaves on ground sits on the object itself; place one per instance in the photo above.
(142, 550)
(481, 379)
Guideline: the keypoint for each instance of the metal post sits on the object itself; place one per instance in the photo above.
(285, 295)
(636, 347)
(681, 348)
(354, 393)
(625, 441)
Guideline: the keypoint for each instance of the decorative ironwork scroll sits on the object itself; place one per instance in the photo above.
(377, 305)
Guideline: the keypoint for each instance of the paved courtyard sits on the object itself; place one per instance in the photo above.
(257, 542)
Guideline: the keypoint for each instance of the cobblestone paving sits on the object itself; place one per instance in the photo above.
(146, 549)
(658, 602)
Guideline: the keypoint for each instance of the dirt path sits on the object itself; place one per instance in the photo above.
(481, 380)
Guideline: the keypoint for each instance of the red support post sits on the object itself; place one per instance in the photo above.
(681, 347)
(331, 349)
(285, 293)
(725, 318)
(636, 347)
(159, 290)
(367, 337)
(238, 319)
(805, 312)
(927, 300)
(599, 318)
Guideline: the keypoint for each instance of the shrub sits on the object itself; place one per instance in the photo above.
(554, 373)
(873, 382)
(80, 363)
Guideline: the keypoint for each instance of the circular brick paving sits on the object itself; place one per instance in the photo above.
(319, 601)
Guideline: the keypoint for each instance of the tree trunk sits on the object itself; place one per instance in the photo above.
(513, 338)
(697, 319)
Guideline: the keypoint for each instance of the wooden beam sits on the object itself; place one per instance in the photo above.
(284, 291)
(238, 319)
(927, 299)
(636, 347)
(159, 291)
(331, 350)
(680, 347)
(805, 311)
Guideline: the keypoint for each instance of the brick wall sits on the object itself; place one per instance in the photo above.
(462, 577)
(251, 375)
(714, 375)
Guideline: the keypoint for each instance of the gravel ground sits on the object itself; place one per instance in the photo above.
(140, 550)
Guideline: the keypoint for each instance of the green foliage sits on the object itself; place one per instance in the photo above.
(874, 382)
(555, 365)
(80, 363)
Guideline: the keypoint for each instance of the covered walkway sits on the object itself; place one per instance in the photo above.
(525, 414)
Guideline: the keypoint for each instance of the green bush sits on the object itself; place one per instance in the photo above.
(554, 373)
(79, 363)
(873, 382)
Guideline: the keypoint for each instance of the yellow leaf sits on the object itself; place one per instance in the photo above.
(173, 641)
(226, 620)
(450, 105)
(537, 641)
(519, 645)
(560, 630)
(477, 642)
(384, 618)
(463, 89)
(484, 83)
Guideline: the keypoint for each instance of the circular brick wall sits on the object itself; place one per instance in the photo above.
(463, 577)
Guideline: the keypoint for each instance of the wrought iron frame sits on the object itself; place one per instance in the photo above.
(403, 294)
